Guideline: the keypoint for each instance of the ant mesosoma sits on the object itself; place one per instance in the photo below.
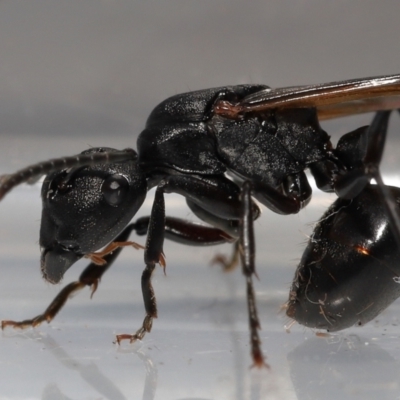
(220, 148)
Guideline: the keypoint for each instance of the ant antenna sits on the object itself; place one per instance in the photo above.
(9, 181)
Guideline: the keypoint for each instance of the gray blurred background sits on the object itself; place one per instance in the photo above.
(81, 73)
(75, 69)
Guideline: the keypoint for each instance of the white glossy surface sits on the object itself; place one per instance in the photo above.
(75, 74)
(199, 345)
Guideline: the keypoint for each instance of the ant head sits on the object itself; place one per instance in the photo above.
(85, 207)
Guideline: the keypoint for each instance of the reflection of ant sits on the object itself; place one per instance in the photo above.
(335, 367)
(91, 374)
(219, 148)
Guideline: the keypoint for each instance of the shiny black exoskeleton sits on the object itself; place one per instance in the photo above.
(350, 270)
(220, 148)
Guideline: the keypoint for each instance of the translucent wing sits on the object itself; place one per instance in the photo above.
(332, 100)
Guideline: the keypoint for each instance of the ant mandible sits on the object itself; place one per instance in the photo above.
(222, 148)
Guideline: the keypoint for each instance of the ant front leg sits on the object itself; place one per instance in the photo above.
(153, 254)
(157, 228)
(175, 229)
(90, 276)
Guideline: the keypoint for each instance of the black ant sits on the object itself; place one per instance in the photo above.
(220, 148)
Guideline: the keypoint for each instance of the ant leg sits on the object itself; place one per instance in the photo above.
(90, 277)
(158, 227)
(241, 228)
(350, 184)
(228, 202)
(176, 229)
(98, 257)
(231, 227)
(186, 232)
(228, 264)
(51, 311)
(153, 254)
(247, 255)
(380, 125)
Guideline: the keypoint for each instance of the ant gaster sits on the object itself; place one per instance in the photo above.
(221, 149)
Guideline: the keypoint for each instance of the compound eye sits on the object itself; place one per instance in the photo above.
(114, 189)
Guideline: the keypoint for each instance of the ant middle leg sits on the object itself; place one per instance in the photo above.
(247, 256)
(244, 249)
